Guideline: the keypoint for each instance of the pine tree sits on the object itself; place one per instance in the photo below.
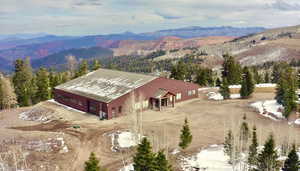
(179, 71)
(218, 82)
(43, 85)
(186, 136)
(292, 162)
(268, 158)
(257, 77)
(224, 89)
(253, 154)
(83, 69)
(231, 70)
(93, 164)
(286, 91)
(96, 65)
(267, 77)
(144, 159)
(229, 146)
(161, 162)
(247, 84)
(8, 98)
(22, 81)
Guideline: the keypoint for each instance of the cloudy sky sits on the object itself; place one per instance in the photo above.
(83, 17)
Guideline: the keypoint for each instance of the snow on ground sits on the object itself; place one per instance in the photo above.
(64, 106)
(218, 96)
(124, 139)
(175, 151)
(210, 159)
(256, 85)
(127, 139)
(297, 122)
(38, 114)
(269, 108)
(127, 168)
(265, 85)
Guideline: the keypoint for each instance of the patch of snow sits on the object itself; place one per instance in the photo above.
(235, 96)
(256, 85)
(64, 106)
(211, 159)
(235, 86)
(127, 139)
(218, 96)
(124, 139)
(269, 108)
(297, 122)
(127, 168)
(175, 151)
(266, 85)
(214, 96)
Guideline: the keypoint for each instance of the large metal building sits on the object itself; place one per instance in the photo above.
(108, 93)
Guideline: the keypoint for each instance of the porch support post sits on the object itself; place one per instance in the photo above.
(173, 101)
(159, 104)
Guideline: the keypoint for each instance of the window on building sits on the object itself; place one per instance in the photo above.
(120, 109)
(189, 92)
(178, 96)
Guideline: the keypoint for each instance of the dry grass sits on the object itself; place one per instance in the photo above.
(209, 121)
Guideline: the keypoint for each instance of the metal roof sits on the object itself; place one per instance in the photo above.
(105, 85)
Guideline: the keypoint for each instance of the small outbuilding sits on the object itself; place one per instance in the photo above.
(108, 93)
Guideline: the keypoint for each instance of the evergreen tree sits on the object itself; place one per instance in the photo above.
(43, 85)
(186, 136)
(253, 154)
(292, 162)
(8, 98)
(286, 91)
(161, 162)
(257, 76)
(22, 81)
(83, 69)
(267, 77)
(247, 84)
(55, 79)
(229, 146)
(231, 70)
(93, 164)
(144, 159)
(218, 82)
(204, 77)
(179, 71)
(224, 89)
(96, 65)
(268, 158)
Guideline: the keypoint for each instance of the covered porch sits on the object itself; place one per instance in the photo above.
(162, 98)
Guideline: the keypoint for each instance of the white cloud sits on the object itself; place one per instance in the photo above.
(106, 16)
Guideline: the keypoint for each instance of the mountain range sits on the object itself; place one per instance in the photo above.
(38, 47)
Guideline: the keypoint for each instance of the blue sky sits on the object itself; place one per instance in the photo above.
(85, 17)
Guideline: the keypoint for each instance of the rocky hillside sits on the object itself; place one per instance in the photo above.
(282, 44)
(171, 43)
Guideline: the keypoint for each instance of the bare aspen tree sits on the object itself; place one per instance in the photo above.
(134, 109)
(8, 96)
(72, 64)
